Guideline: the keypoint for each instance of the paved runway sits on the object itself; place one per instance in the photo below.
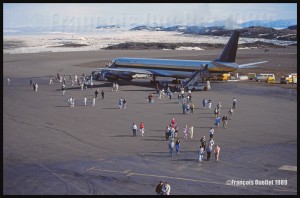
(52, 149)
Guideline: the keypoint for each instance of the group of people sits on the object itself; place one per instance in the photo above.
(97, 92)
(71, 101)
(134, 129)
(115, 87)
(163, 188)
(122, 103)
(209, 149)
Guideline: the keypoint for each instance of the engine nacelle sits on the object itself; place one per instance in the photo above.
(125, 77)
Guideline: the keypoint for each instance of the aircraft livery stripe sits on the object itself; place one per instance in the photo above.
(154, 66)
(212, 68)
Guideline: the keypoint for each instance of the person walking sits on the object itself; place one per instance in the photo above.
(142, 129)
(173, 122)
(216, 112)
(73, 102)
(184, 106)
(234, 103)
(159, 187)
(51, 81)
(30, 82)
(219, 105)
(102, 94)
(203, 142)
(200, 153)
(70, 100)
(171, 147)
(177, 145)
(134, 128)
(211, 132)
(172, 132)
(94, 101)
(217, 121)
(36, 87)
(166, 189)
(185, 131)
(230, 112)
(167, 132)
(209, 103)
(224, 120)
(8, 81)
(192, 108)
(124, 103)
(191, 131)
(217, 152)
(211, 142)
(208, 151)
(96, 93)
(63, 89)
(120, 103)
(203, 103)
(84, 100)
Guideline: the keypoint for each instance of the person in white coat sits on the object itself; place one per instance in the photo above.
(166, 189)
(94, 101)
(84, 100)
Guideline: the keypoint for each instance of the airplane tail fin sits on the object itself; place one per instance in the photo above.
(229, 52)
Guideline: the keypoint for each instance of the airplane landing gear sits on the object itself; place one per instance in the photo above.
(154, 81)
(176, 81)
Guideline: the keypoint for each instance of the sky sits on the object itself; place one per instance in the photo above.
(131, 14)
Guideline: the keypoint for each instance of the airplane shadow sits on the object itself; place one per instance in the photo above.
(137, 90)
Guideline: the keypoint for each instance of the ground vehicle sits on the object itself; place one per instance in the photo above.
(136, 76)
(290, 78)
(251, 76)
(197, 86)
(223, 77)
(265, 77)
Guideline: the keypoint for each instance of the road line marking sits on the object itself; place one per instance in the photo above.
(161, 176)
(126, 171)
(288, 168)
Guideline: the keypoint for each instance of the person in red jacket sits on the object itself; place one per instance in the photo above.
(142, 128)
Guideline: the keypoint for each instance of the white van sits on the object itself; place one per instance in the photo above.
(263, 77)
(196, 87)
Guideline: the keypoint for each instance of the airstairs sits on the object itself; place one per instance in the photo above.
(196, 76)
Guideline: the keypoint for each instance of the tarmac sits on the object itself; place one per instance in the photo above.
(52, 149)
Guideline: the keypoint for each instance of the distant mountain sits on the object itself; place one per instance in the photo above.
(274, 24)
(247, 32)
(144, 27)
(108, 27)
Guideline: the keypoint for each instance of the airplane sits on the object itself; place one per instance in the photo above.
(126, 67)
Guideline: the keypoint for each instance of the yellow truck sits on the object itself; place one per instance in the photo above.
(223, 77)
(289, 79)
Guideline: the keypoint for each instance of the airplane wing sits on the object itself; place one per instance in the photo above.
(250, 65)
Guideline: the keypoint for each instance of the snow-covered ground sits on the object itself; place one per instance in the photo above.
(96, 40)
